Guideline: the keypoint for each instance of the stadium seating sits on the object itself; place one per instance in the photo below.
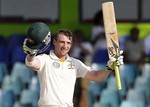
(128, 73)
(137, 96)
(17, 85)
(2, 40)
(130, 104)
(100, 56)
(110, 96)
(3, 71)
(18, 55)
(22, 71)
(146, 70)
(12, 42)
(3, 52)
(3, 62)
(27, 96)
(8, 98)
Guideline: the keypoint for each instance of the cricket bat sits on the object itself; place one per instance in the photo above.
(111, 36)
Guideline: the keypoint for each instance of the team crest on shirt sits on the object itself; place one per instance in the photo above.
(56, 64)
(71, 65)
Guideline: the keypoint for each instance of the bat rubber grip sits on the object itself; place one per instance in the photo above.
(116, 68)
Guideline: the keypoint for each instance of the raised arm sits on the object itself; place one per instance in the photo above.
(99, 76)
(38, 34)
(32, 62)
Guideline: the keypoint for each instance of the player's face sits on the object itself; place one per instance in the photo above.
(62, 45)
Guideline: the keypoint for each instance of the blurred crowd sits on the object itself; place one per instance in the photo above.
(19, 86)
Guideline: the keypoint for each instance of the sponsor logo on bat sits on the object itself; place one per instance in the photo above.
(111, 52)
(116, 48)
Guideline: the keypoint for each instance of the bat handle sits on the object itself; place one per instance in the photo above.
(116, 68)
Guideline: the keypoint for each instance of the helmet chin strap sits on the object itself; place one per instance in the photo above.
(43, 49)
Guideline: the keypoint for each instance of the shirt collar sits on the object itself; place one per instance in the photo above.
(54, 57)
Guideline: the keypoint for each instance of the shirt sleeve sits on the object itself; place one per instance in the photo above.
(81, 68)
(42, 61)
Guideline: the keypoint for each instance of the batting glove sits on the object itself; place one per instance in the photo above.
(27, 50)
(119, 61)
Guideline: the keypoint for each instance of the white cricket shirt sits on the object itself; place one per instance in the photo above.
(57, 79)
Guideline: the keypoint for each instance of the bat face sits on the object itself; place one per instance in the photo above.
(110, 29)
(113, 45)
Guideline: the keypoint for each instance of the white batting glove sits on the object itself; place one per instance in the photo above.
(119, 61)
(29, 51)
